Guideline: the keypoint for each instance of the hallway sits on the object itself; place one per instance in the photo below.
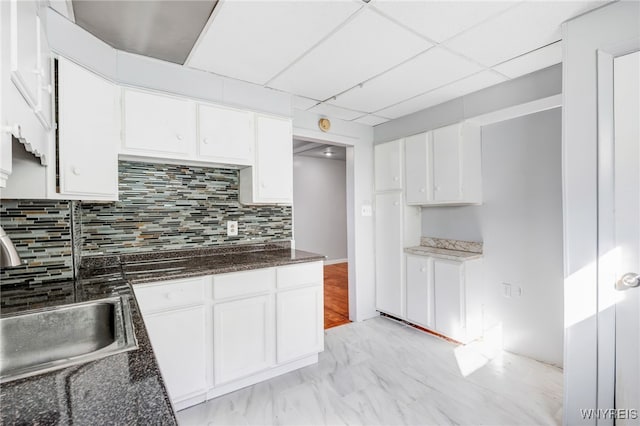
(336, 295)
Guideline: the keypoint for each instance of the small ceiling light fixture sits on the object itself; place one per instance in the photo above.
(324, 124)
(328, 152)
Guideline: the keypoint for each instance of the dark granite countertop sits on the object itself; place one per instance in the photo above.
(124, 388)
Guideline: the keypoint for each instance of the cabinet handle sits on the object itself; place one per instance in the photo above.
(179, 137)
(205, 141)
(75, 171)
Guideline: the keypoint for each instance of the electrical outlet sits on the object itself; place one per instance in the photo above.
(232, 228)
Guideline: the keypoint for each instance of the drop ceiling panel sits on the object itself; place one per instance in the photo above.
(533, 61)
(451, 91)
(336, 112)
(430, 70)
(371, 120)
(519, 30)
(255, 40)
(366, 46)
(301, 103)
(440, 20)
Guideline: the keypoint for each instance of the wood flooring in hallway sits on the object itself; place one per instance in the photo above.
(336, 295)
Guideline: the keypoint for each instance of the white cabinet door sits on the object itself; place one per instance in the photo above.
(420, 294)
(226, 135)
(449, 295)
(179, 343)
(44, 108)
(300, 325)
(157, 125)
(417, 180)
(243, 338)
(389, 256)
(25, 28)
(274, 161)
(88, 133)
(446, 163)
(388, 165)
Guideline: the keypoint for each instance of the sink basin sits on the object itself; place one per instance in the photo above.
(43, 340)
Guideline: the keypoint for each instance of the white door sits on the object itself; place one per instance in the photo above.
(88, 133)
(226, 135)
(178, 340)
(420, 301)
(449, 315)
(416, 168)
(243, 338)
(388, 166)
(446, 163)
(619, 235)
(389, 256)
(274, 159)
(158, 125)
(300, 327)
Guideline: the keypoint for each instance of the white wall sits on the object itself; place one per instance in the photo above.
(520, 223)
(319, 206)
(582, 37)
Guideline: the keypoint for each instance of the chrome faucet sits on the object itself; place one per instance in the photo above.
(8, 255)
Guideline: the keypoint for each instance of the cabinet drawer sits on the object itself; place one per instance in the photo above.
(243, 283)
(172, 294)
(294, 275)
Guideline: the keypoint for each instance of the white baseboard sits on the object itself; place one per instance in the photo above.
(334, 261)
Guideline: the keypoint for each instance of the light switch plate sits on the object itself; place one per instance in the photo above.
(367, 210)
(232, 228)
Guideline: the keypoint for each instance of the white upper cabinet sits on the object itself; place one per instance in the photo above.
(443, 167)
(158, 125)
(388, 166)
(25, 33)
(226, 135)
(271, 179)
(88, 111)
(418, 182)
(44, 106)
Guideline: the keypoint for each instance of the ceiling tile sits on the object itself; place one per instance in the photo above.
(440, 20)
(371, 120)
(430, 70)
(301, 103)
(519, 30)
(336, 112)
(451, 91)
(366, 46)
(255, 40)
(533, 61)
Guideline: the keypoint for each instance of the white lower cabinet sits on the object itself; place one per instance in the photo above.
(213, 335)
(300, 317)
(420, 294)
(180, 335)
(243, 338)
(445, 296)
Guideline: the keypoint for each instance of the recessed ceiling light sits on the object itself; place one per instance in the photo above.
(328, 152)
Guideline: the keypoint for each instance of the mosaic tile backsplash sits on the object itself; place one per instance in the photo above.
(161, 207)
(171, 207)
(41, 232)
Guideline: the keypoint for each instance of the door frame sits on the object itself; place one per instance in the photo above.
(349, 144)
(606, 294)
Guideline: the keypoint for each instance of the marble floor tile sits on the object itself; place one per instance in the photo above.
(381, 372)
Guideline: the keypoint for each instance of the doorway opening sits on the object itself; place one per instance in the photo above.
(320, 219)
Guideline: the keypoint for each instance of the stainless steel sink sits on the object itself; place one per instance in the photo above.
(47, 339)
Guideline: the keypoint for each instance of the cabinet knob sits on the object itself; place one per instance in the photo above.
(75, 171)
(423, 269)
(423, 190)
(436, 188)
(179, 137)
(170, 296)
(48, 89)
(396, 178)
(396, 203)
(262, 185)
(205, 141)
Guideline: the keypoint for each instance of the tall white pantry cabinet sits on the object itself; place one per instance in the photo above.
(397, 226)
